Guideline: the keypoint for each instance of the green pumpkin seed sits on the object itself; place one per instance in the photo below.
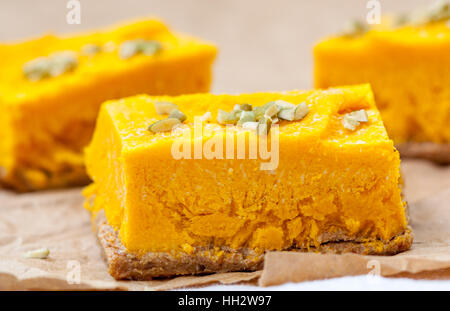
(350, 123)
(164, 107)
(62, 62)
(54, 65)
(401, 20)
(131, 48)
(246, 116)
(206, 117)
(359, 115)
(252, 126)
(37, 69)
(282, 104)
(149, 47)
(437, 12)
(271, 109)
(128, 49)
(245, 107)
(352, 120)
(164, 125)
(355, 28)
(301, 110)
(286, 110)
(177, 114)
(41, 253)
(225, 117)
(293, 114)
(287, 114)
(264, 125)
(90, 49)
(259, 112)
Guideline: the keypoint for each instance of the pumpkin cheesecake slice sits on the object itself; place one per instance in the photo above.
(209, 183)
(51, 89)
(405, 59)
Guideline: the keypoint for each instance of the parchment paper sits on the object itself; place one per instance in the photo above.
(57, 220)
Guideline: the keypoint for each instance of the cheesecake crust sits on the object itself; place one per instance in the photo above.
(125, 265)
(438, 153)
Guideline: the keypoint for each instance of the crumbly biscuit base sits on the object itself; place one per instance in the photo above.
(439, 153)
(125, 265)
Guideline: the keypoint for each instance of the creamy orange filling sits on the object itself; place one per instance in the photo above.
(408, 71)
(331, 183)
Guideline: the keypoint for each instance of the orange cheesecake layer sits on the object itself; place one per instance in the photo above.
(408, 69)
(48, 119)
(331, 183)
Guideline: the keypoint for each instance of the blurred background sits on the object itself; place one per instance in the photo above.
(264, 44)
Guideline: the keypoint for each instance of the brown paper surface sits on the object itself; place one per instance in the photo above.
(57, 221)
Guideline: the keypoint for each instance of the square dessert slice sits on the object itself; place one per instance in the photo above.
(51, 89)
(333, 186)
(406, 62)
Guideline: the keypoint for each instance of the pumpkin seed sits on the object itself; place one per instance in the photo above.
(252, 126)
(264, 125)
(54, 65)
(177, 114)
(150, 47)
(41, 253)
(164, 125)
(90, 49)
(359, 115)
(282, 104)
(355, 28)
(62, 62)
(293, 114)
(401, 20)
(352, 120)
(128, 49)
(206, 117)
(131, 48)
(439, 11)
(271, 110)
(225, 117)
(259, 112)
(350, 123)
(246, 107)
(287, 114)
(301, 110)
(37, 69)
(164, 107)
(237, 114)
(246, 116)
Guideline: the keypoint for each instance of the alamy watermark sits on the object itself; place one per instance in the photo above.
(73, 276)
(73, 16)
(374, 274)
(374, 14)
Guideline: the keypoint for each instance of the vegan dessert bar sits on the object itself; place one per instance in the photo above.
(51, 89)
(174, 193)
(405, 59)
